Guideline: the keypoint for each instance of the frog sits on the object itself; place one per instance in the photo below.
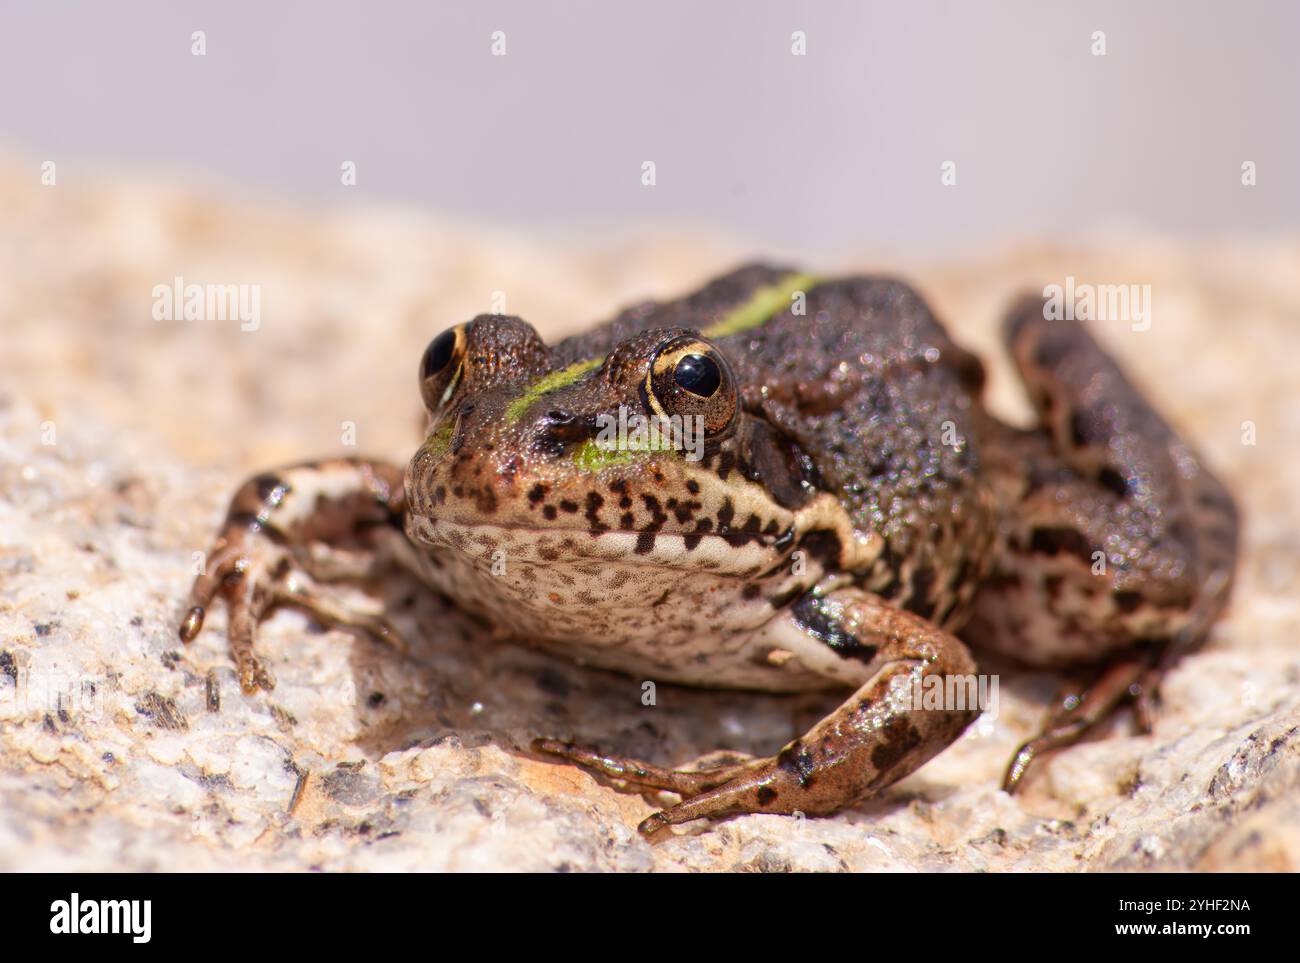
(853, 518)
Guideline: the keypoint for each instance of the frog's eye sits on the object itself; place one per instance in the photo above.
(438, 354)
(440, 368)
(699, 374)
(690, 377)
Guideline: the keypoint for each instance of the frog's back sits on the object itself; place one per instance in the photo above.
(877, 400)
(872, 388)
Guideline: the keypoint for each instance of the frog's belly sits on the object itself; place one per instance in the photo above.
(644, 618)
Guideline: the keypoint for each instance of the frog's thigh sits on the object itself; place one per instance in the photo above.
(881, 734)
(1122, 534)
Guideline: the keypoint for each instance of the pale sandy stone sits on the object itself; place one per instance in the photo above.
(110, 758)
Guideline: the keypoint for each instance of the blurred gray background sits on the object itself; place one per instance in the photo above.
(837, 149)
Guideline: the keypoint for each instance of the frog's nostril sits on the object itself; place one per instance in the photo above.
(564, 425)
(559, 429)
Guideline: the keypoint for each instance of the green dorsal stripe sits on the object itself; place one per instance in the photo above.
(762, 305)
(551, 382)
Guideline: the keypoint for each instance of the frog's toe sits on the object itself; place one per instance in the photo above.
(244, 612)
(641, 775)
(253, 674)
(300, 590)
(1074, 714)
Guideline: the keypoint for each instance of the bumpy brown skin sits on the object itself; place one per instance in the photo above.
(851, 434)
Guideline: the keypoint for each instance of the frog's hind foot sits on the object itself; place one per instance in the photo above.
(1077, 710)
(320, 515)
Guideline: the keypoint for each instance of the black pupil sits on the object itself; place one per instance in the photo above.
(437, 354)
(698, 375)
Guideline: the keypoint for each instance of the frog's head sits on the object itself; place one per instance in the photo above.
(642, 454)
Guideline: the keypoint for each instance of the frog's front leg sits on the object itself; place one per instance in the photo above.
(881, 734)
(286, 530)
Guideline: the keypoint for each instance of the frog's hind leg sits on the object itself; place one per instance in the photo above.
(881, 734)
(322, 518)
(1105, 430)
(1121, 543)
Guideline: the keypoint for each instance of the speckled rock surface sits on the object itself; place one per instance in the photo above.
(122, 436)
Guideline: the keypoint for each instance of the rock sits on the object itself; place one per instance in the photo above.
(122, 436)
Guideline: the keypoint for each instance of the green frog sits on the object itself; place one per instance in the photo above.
(827, 506)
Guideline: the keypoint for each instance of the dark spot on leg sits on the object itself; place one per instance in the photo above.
(645, 542)
(798, 762)
(898, 738)
(813, 615)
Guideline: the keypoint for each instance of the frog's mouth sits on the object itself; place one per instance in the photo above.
(728, 553)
